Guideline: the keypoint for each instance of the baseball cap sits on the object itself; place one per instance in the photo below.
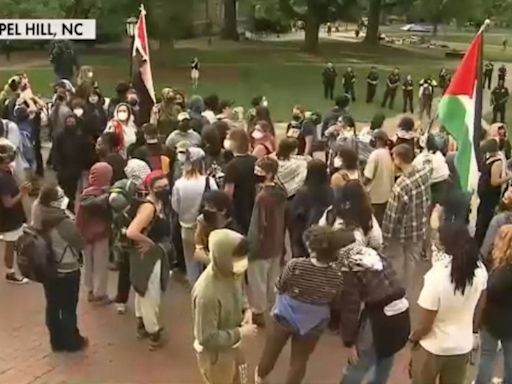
(183, 116)
(183, 146)
(195, 154)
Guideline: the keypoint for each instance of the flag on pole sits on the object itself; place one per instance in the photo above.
(460, 111)
(142, 76)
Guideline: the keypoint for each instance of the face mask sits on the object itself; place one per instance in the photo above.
(297, 117)
(70, 126)
(240, 265)
(78, 111)
(182, 157)
(210, 217)
(93, 99)
(260, 179)
(257, 135)
(183, 127)
(163, 194)
(337, 162)
(123, 116)
(227, 145)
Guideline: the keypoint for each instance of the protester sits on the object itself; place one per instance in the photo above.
(292, 167)
(222, 322)
(379, 174)
(306, 288)
(374, 321)
(340, 109)
(211, 108)
(149, 274)
(70, 158)
(187, 196)
(216, 157)
(64, 59)
(405, 133)
(185, 132)
(165, 114)
(122, 89)
(450, 302)
(263, 140)
(196, 108)
(12, 215)
(497, 314)
(122, 124)
(266, 236)
(95, 118)
(492, 179)
(309, 204)
(158, 155)
(240, 180)
(94, 221)
(61, 288)
(106, 149)
(346, 166)
(216, 214)
(262, 113)
(406, 217)
(498, 221)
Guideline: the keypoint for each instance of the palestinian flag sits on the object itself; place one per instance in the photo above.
(460, 111)
(142, 77)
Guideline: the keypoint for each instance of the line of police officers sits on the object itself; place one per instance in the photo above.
(499, 95)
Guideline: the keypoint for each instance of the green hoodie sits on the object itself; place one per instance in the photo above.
(217, 297)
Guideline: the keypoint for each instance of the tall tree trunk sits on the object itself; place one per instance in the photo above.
(372, 30)
(312, 30)
(230, 30)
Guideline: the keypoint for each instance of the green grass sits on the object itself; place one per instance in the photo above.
(280, 71)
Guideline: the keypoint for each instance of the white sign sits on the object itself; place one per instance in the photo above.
(47, 29)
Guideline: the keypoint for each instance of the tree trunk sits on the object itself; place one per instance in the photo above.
(312, 30)
(230, 30)
(372, 30)
(435, 28)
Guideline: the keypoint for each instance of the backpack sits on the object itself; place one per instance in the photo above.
(96, 206)
(35, 257)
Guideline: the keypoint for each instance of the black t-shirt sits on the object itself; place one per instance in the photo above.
(240, 172)
(307, 128)
(14, 217)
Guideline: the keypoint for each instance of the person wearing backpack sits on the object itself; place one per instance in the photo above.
(264, 143)
(427, 86)
(62, 284)
(94, 222)
(187, 200)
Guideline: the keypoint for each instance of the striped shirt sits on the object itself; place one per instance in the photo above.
(310, 283)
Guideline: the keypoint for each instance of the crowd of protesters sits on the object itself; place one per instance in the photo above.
(200, 189)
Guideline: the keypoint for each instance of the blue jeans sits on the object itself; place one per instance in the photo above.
(194, 267)
(355, 374)
(489, 351)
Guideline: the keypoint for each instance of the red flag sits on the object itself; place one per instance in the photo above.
(143, 78)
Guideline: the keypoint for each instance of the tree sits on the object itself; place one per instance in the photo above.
(230, 28)
(372, 29)
(314, 13)
(439, 11)
(169, 20)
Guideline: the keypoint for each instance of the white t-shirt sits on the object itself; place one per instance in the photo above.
(440, 170)
(452, 331)
(381, 171)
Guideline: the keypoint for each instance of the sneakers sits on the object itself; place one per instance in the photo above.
(155, 340)
(13, 278)
(121, 308)
(141, 330)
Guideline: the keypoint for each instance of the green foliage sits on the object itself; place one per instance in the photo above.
(169, 19)
(34, 8)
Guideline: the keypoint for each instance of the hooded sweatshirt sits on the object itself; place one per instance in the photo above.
(94, 227)
(65, 238)
(126, 131)
(217, 297)
(196, 108)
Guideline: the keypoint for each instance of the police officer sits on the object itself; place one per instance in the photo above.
(408, 93)
(329, 76)
(502, 73)
(372, 80)
(349, 83)
(427, 86)
(443, 79)
(499, 98)
(488, 72)
(391, 86)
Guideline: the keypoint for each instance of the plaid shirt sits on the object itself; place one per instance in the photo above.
(408, 207)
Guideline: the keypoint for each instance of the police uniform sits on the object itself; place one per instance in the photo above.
(502, 73)
(408, 93)
(426, 96)
(329, 76)
(499, 98)
(371, 85)
(391, 87)
(488, 72)
(349, 82)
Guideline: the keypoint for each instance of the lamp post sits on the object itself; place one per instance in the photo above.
(131, 23)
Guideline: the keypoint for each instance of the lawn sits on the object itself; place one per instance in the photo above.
(280, 71)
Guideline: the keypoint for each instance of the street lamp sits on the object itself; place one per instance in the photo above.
(131, 24)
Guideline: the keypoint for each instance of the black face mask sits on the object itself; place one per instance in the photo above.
(70, 127)
(260, 179)
(163, 195)
(210, 217)
(297, 117)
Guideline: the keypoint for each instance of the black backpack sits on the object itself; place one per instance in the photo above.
(35, 256)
